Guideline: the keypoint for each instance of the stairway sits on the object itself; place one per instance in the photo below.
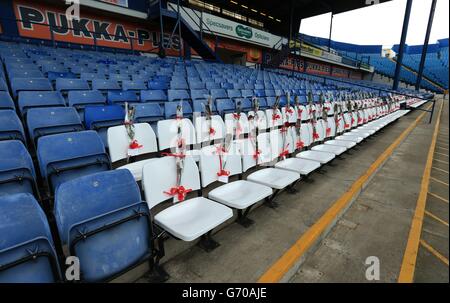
(190, 36)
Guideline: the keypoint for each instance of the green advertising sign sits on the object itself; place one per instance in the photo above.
(244, 31)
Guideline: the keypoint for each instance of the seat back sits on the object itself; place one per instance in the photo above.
(31, 99)
(157, 186)
(63, 84)
(150, 112)
(103, 84)
(153, 96)
(137, 85)
(210, 160)
(209, 131)
(178, 95)
(24, 228)
(63, 157)
(10, 126)
(52, 120)
(119, 97)
(17, 174)
(6, 101)
(103, 221)
(167, 133)
(170, 109)
(119, 142)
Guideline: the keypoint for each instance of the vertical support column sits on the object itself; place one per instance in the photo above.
(425, 45)
(402, 44)
(162, 51)
(331, 31)
(179, 29)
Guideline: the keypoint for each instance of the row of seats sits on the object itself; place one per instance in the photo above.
(105, 235)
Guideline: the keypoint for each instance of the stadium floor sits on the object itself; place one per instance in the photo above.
(377, 222)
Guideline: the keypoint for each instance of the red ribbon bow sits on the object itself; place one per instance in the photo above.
(300, 111)
(275, 117)
(284, 153)
(179, 191)
(328, 131)
(236, 116)
(289, 110)
(212, 131)
(135, 145)
(359, 120)
(346, 125)
(316, 135)
(256, 154)
(300, 144)
(222, 172)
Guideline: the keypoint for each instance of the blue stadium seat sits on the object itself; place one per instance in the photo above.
(10, 126)
(27, 253)
(170, 109)
(134, 85)
(260, 93)
(67, 156)
(17, 174)
(247, 93)
(234, 94)
(28, 100)
(159, 85)
(219, 94)
(100, 118)
(25, 73)
(158, 96)
(105, 85)
(64, 85)
(92, 76)
(179, 85)
(80, 99)
(53, 76)
(3, 85)
(225, 106)
(150, 113)
(119, 77)
(27, 84)
(226, 85)
(103, 221)
(196, 85)
(119, 97)
(5, 101)
(178, 95)
(52, 120)
(212, 85)
(199, 106)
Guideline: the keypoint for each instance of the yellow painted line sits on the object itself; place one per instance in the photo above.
(440, 169)
(441, 161)
(441, 154)
(436, 218)
(434, 252)
(279, 269)
(438, 197)
(439, 181)
(412, 247)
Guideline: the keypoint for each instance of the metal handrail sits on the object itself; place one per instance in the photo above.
(199, 17)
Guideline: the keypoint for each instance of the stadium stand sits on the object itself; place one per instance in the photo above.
(62, 110)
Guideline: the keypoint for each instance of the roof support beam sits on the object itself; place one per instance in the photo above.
(425, 45)
(402, 44)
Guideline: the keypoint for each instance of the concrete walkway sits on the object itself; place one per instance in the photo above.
(376, 225)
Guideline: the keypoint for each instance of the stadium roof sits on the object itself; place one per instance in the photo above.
(268, 11)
